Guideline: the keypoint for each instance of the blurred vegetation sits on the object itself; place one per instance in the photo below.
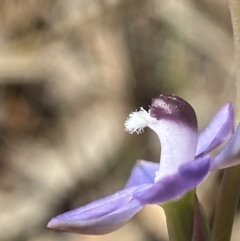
(70, 73)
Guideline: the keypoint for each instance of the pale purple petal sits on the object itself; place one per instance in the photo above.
(143, 172)
(220, 128)
(177, 130)
(230, 154)
(100, 217)
(175, 123)
(174, 186)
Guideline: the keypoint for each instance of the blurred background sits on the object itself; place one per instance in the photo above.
(70, 73)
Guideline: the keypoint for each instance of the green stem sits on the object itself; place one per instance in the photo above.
(234, 6)
(226, 205)
(180, 217)
(230, 191)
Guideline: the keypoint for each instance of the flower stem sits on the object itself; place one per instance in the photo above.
(234, 6)
(180, 217)
(230, 191)
(226, 205)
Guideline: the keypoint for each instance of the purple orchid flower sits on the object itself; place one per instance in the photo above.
(185, 162)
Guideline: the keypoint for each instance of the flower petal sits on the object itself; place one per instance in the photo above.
(174, 186)
(230, 154)
(100, 217)
(177, 130)
(143, 172)
(217, 131)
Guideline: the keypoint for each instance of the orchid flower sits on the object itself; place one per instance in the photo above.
(185, 162)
